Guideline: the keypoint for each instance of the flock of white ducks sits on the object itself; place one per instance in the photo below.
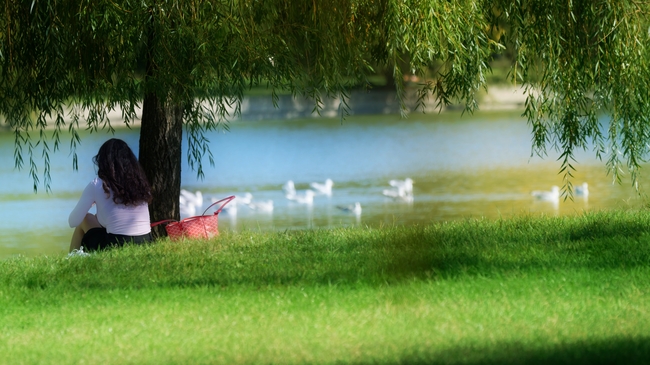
(191, 201)
(399, 190)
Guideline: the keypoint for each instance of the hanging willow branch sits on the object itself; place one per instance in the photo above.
(578, 60)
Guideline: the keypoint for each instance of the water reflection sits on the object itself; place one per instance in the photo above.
(462, 167)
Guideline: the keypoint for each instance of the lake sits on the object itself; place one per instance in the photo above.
(463, 166)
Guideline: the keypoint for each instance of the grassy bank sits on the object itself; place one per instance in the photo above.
(571, 290)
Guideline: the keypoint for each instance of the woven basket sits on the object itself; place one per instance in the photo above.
(202, 226)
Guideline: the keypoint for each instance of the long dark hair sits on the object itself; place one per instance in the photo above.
(121, 173)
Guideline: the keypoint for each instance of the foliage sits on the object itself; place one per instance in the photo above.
(589, 58)
(87, 58)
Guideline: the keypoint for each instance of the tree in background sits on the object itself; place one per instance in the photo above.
(188, 63)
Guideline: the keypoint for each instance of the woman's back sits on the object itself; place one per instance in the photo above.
(121, 195)
(130, 220)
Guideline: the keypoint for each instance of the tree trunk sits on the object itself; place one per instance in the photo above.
(161, 136)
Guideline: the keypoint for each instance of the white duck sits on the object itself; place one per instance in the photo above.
(187, 210)
(354, 209)
(325, 189)
(306, 198)
(289, 189)
(191, 198)
(261, 206)
(398, 194)
(404, 186)
(551, 196)
(582, 190)
(393, 193)
(243, 199)
(182, 201)
(230, 209)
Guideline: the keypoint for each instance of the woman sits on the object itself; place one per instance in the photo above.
(121, 194)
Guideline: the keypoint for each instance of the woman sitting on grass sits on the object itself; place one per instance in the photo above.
(122, 196)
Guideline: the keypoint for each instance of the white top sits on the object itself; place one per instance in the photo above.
(116, 218)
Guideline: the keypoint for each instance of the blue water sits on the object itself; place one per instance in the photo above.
(463, 167)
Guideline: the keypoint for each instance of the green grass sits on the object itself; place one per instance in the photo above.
(571, 290)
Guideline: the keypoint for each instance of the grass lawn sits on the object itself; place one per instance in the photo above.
(528, 290)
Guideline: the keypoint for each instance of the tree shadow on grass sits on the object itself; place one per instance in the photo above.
(609, 351)
(329, 257)
(472, 252)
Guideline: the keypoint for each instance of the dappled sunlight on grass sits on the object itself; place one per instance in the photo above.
(526, 290)
(355, 255)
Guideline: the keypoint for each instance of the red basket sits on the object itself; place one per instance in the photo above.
(202, 226)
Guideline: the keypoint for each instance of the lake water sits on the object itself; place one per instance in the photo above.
(469, 166)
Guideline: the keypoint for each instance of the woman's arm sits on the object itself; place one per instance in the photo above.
(83, 205)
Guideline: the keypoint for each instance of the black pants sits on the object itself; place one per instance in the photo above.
(98, 239)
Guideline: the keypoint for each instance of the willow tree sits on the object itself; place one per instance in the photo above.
(189, 63)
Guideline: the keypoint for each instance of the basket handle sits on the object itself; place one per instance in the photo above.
(162, 221)
(227, 200)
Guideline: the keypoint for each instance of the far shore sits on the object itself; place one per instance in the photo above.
(497, 98)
